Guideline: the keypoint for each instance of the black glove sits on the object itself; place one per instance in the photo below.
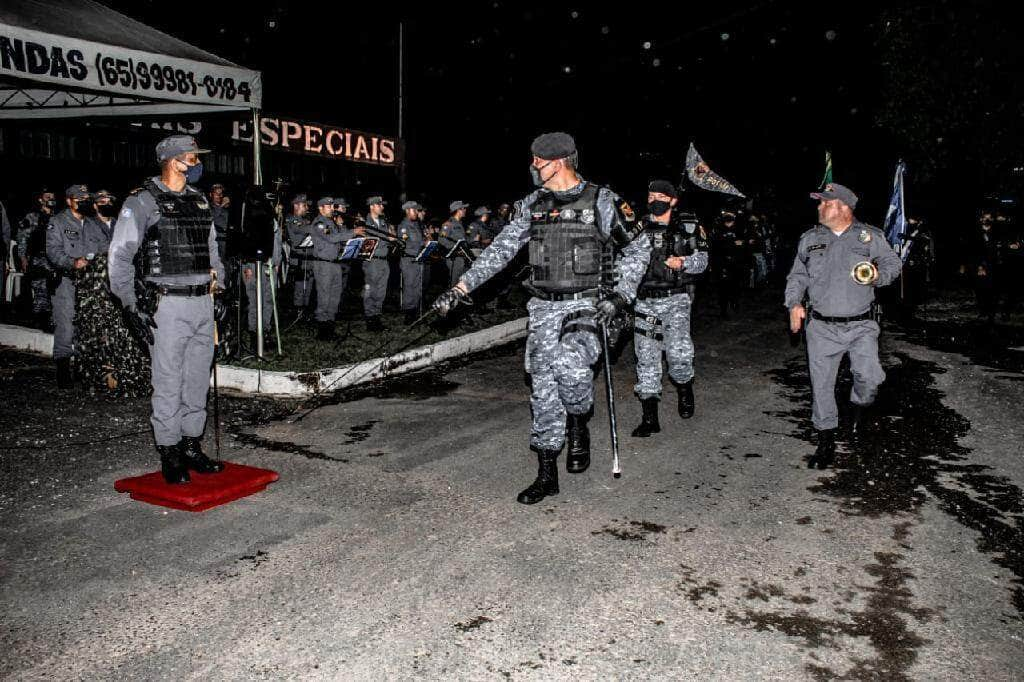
(447, 301)
(220, 309)
(608, 308)
(141, 324)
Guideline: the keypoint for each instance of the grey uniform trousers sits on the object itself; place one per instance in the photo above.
(181, 357)
(560, 368)
(827, 342)
(64, 319)
(673, 324)
(250, 295)
(375, 289)
(330, 284)
(304, 286)
(412, 284)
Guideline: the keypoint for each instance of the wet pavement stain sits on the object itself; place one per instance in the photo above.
(252, 440)
(631, 531)
(912, 453)
(359, 432)
(694, 589)
(473, 624)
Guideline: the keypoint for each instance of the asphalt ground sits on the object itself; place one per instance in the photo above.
(392, 546)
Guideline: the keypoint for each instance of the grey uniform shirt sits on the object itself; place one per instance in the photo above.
(327, 238)
(68, 238)
(451, 232)
(139, 213)
(298, 229)
(823, 265)
(379, 228)
(631, 264)
(410, 232)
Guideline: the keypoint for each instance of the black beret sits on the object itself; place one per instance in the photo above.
(551, 146)
(663, 187)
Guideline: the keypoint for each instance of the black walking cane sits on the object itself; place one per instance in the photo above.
(610, 393)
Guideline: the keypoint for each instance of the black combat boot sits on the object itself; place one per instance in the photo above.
(547, 479)
(649, 422)
(685, 399)
(374, 324)
(64, 377)
(252, 340)
(826, 452)
(411, 316)
(172, 464)
(325, 331)
(577, 436)
(195, 459)
(859, 420)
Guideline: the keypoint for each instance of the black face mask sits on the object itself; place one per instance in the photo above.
(538, 180)
(107, 210)
(86, 208)
(657, 208)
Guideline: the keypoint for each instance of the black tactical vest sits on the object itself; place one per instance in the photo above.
(669, 240)
(568, 254)
(177, 244)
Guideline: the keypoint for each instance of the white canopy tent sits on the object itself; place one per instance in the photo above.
(78, 58)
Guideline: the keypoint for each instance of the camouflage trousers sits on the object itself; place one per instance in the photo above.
(560, 351)
(668, 321)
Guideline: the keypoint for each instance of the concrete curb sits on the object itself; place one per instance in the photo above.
(24, 338)
(305, 384)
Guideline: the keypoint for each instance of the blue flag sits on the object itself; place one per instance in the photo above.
(895, 225)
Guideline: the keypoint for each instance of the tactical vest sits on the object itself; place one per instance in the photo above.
(668, 240)
(568, 254)
(177, 244)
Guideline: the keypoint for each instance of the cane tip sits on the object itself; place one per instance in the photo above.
(617, 474)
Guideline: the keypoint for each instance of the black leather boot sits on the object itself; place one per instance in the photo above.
(649, 422)
(577, 436)
(172, 464)
(196, 460)
(859, 420)
(685, 399)
(374, 324)
(64, 377)
(325, 331)
(411, 316)
(826, 452)
(547, 479)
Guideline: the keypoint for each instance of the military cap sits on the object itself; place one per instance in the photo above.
(77, 192)
(300, 199)
(483, 210)
(456, 205)
(325, 201)
(172, 146)
(834, 190)
(106, 194)
(375, 199)
(341, 201)
(550, 146)
(663, 187)
(411, 205)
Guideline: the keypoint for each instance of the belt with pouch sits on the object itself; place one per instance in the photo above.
(588, 295)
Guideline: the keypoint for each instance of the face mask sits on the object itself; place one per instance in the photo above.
(535, 175)
(193, 173)
(85, 208)
(51, 204)
(659, 207)
(107, 210)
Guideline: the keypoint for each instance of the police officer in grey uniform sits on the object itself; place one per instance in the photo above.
(106, 211)
(480, 236)
(838, 265)
(410, 233)
(249, 270)
(679, 255)
(300, 260)
(451, 232)
(328, 240)
(574, 230)
(31, 240)
(73, 237)
(377, 270)
(168, 225)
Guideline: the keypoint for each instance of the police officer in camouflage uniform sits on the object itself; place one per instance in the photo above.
(451, 232)
(841, 320)
(574, 230)
(328, 240)
(73, 237)
(31, 240)
(679, 255)
(167, 228)
(300, 260)
(377, 270)
(412, 236)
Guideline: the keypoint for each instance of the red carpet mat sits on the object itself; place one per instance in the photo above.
(203, 492)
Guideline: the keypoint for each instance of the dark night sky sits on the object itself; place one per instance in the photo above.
(763, 88)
